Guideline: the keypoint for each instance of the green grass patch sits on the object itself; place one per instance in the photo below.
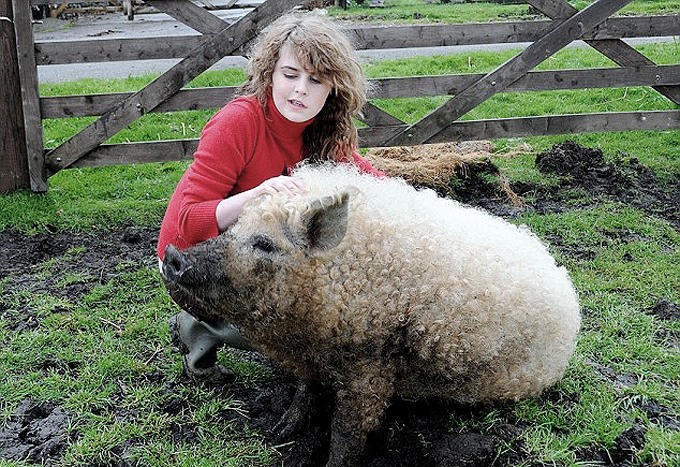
(92, 199)
(210, 78)
(621, 362)
(151, 127)
(418, 11)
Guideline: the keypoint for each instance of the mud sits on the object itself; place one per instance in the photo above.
(623, 180)
(37, 432)
(481, 184)
(84, 260)
(626, 444)
(413, 434)
(666, 310)
(579, 171)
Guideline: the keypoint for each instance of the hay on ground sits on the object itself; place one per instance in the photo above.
(434, 165)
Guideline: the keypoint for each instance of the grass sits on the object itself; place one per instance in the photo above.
(101, 356)
(419, 11)
(623, 278)
(106, 356)
(91, 199)
(94, 357)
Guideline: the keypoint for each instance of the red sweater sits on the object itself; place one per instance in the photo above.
(240, 148)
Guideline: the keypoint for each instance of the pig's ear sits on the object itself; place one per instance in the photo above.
(326, 221)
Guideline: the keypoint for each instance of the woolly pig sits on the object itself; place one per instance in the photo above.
(379, 291)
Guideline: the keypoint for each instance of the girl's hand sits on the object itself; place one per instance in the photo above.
(228, 209)
(282, 184)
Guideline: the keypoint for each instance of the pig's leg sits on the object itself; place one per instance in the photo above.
(199, 342)
(296, 415)
(359, 409)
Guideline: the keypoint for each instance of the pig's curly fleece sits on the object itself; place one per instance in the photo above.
(424, 295)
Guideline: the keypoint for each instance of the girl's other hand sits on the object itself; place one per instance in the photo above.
(291, 186)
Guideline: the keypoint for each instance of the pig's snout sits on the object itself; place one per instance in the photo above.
(175, 264)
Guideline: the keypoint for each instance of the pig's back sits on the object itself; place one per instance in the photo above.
(501, 318)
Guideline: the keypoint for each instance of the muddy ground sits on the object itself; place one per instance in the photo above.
(413, 434)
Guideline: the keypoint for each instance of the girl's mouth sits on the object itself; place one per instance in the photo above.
(297, 103)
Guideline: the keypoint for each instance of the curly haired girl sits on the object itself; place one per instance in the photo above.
(304, 88)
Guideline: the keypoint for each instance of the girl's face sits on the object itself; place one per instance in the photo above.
(298, 94)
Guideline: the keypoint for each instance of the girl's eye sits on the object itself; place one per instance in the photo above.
(289, 76)
(315, 80)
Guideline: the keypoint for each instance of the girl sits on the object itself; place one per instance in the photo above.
(304, 87)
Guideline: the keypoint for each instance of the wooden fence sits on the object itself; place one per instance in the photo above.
(594, 25)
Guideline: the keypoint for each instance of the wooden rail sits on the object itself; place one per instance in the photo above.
(365, 37)
(385, 88)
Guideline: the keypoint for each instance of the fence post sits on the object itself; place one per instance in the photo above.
(13, 155)
(22, 162)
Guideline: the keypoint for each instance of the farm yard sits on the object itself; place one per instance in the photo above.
(90, 376)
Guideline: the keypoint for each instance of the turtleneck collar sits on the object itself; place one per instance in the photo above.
(281, 126)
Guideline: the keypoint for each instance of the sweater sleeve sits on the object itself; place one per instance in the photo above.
(366, 166)
(224, 149)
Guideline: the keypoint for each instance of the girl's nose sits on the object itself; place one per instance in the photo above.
(301, 87)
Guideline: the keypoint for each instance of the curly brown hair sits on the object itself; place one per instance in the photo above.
(322, 47)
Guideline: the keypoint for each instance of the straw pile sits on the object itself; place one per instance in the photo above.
(434, 165)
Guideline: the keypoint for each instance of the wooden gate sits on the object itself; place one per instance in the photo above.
(568, 25)
(116, 111)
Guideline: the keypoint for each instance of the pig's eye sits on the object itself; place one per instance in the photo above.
(264, 244)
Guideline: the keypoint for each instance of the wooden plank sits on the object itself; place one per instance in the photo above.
(499, 79)
(400, 36)
(139, 153)
(165, 151)
(383, 88)
(109, 50)
(213, 49)
(537, 126)
(640, 26)
(625, 55)
(441, 85)
(560, 125)
(374, 37)
(194, 16)
(13, 154)
(199, 18)
(98, 104)
(555, 9)
(615, 49)
(28, 78)
(439, 35)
